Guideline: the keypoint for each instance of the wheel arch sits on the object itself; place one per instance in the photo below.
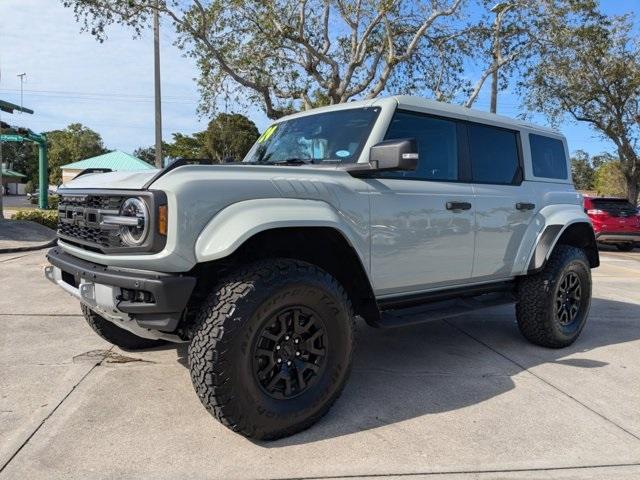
(257, 229)
(578, 233)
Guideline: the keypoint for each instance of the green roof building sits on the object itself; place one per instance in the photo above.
(12, 181)
(116, 161)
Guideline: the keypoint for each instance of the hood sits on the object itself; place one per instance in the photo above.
(130, 180)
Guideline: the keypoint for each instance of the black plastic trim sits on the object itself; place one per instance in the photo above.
(405, 301)
(546, 242)
(171, 292)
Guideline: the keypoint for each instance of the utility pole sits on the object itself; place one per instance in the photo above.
(496, 51)
(156, 68)
(21, 75)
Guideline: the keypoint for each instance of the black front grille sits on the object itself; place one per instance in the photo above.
(80, 220)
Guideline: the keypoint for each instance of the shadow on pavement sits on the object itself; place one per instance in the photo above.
(403, 373)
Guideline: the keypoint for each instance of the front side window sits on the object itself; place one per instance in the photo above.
(437, 145)
(494, 154)
(331, 137)
(548, 157)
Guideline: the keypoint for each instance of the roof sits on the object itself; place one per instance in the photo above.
(433, 107)
(116, 161)
(6, 172)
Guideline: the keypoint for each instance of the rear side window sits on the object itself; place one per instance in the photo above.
(494, 154)
(548, 157)
(437, 145)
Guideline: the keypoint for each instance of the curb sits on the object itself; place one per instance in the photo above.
(30, 248)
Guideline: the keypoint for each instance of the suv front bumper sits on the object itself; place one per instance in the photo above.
(112, 293)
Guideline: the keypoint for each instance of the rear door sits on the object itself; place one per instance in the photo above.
(422, 222)
(505, 205)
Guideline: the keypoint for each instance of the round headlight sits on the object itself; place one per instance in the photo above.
(135, 234)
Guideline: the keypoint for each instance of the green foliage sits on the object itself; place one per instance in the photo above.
(29, 187)
(48, 218)
(72, 144)
(590, 70)
(187, 146)
(609, 180)
(286, 55)
(230, 136)
(582, 171)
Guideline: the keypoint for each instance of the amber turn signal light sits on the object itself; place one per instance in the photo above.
(162, 220)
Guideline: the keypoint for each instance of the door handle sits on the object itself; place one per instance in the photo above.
(458, 206)
(525, 206)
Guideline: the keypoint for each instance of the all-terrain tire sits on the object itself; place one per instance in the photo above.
(540, 299)
(625, 247)
(116, 335)
(233, 325)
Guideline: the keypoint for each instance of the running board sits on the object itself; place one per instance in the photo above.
(442, 309)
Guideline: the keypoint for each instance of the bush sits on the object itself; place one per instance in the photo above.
(29, 187)
(53, 202)
(48, 218)
(52, 199)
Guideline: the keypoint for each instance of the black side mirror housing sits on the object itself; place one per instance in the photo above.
(396, 154)
(399, 154)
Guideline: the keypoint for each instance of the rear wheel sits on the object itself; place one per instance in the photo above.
(116, 335)
(272, 349)
(625, 247)
(553, 305)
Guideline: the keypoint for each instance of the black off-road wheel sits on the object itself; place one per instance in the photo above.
(116, 335)
(553, 305)
(272, 348)
(625, 247)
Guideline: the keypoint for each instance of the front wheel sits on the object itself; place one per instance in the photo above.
(272, 348)
(553, 305)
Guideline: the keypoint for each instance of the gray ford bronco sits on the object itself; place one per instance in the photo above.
(396, 210)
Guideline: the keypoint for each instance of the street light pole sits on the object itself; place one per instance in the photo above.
(156, 68)
(496, 51)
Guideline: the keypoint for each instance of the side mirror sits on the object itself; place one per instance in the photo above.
(399, 154)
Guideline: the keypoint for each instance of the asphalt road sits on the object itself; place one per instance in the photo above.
(459, 399)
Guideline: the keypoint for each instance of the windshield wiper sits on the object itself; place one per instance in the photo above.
(292, 161)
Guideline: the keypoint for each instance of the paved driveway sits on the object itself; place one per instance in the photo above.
(464, 398)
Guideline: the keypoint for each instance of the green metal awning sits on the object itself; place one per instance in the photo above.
(12, 173)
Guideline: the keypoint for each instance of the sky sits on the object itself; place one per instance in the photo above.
(108, 87)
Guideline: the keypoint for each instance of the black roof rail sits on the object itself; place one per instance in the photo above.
(93, 170)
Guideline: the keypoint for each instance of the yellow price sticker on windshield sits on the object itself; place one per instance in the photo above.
(267, 133)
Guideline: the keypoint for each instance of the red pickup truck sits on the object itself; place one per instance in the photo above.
(615, 221)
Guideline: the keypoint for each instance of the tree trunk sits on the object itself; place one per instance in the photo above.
(632, 189)
(494, 91)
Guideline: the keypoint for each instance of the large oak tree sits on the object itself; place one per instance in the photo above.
(591, 72)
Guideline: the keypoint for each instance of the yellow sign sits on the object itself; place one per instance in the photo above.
(267, 133)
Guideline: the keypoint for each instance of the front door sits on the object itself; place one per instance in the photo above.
(422, 222)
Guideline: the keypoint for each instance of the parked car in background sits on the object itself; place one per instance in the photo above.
(615, 221)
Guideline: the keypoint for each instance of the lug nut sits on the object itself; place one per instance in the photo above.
(286, 337)
(297, 354)
(297, 340)
(277, 347)
(279, 360)
(289, 363)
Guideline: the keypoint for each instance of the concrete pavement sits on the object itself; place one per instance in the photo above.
(458, 399)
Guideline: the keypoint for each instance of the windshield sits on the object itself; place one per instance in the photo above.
(331, 137)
